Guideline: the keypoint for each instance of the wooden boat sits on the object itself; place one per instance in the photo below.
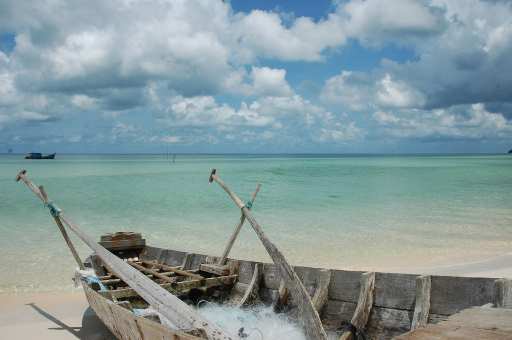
(145, 292)
(37, 155)
(399, 300)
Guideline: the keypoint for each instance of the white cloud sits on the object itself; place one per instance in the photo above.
(376, 21)
(171, 139)
(83, 102)
(351, 89)
(340, 132)
(462, 122)
(264, 33)
(391, 93)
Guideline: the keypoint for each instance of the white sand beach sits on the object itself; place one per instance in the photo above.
(55, 316)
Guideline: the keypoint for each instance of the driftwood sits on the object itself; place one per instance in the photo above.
(422, 305)
(178, 313)
(307, 312)
(364, 304)
(233, 237)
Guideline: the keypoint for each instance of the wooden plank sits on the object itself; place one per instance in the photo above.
(345, 285)
(364, 304)
(148, 329)
(214, 269)
(336, 313)
(452, 294)
(271, 276)
(422, 305)
(503, 293)
(386, 323)
(245, 271)
(395, 290)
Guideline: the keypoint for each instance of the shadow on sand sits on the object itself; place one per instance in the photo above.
(92, 328)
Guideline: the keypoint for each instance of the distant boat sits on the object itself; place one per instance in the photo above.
(9, 151)
(37, 155)
(510, 151)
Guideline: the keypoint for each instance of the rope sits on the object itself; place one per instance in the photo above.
(55, 211)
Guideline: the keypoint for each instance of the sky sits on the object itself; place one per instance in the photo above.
(246, 76)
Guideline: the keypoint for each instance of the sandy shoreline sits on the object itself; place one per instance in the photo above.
(66, 315)
(53, 316)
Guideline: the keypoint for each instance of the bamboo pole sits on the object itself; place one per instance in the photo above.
(179, 314)
(234, 236)
(42, 195)
(307, 312)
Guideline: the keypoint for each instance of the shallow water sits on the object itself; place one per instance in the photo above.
(371, 212)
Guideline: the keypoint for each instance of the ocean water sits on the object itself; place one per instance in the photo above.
(356, 212)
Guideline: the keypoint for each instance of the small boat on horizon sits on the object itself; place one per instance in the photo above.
(38, 155)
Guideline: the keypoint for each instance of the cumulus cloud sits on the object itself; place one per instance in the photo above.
(376, 22)
(461, 122)
(201, 67)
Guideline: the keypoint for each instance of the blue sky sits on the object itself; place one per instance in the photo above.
(354, 76)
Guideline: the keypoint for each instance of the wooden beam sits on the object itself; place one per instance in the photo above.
(422, 304)
(364, 304)
(307, 313)
(63, 231)
(214, 269)
(251, 293)
(238, 227)
(174, 270)
(322, 289)
(152, 272)
(178, 313)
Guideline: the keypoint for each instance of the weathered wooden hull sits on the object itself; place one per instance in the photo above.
(391, 313)
(125, 325)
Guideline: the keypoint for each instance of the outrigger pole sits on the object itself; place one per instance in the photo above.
(178, 313)
(222, 260)
(307, 312)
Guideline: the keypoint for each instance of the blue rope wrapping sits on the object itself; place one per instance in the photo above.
(94, 279)
(248, 205)
(55, 211)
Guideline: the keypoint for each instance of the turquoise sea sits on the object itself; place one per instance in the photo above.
(370, 212)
